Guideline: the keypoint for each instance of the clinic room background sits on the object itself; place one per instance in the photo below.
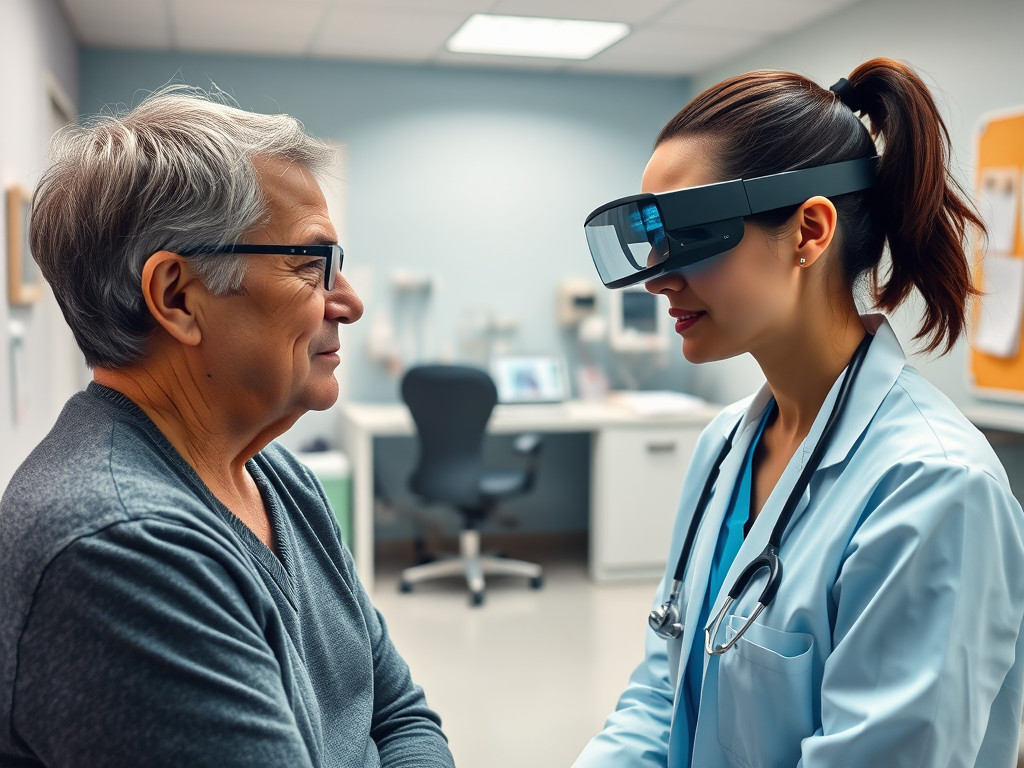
(459, 199)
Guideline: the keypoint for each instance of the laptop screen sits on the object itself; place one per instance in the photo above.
(533, 379)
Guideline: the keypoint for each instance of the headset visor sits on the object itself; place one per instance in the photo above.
(627, 239)
(640, 237)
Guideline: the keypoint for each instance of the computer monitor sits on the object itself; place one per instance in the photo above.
(529, 379)
(638, 321)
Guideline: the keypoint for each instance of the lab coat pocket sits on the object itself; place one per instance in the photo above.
(765, 703)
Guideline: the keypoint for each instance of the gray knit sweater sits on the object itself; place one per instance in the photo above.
(142, 624)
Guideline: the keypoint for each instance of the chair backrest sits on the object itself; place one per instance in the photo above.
(451, 405)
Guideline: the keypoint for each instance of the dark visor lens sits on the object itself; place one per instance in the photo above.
(627, 239)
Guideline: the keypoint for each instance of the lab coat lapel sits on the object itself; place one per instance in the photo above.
(882, 366)
(707, 536)
(699, 570)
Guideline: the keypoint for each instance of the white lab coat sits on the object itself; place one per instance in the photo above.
(894, 639)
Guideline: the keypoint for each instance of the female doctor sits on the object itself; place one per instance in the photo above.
(878, 622)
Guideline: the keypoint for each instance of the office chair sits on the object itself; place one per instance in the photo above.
(451, 406)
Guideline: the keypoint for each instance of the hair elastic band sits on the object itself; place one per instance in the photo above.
(847, 94)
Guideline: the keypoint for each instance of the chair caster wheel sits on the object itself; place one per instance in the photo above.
(404, 587)
(536, 582)
(476, 599)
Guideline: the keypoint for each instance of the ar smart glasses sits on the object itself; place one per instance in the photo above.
(333, 255)
(637, 238)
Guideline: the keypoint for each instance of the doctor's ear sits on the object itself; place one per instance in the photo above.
(816, 221)
(172, 293)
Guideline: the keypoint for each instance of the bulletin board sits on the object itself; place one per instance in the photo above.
(996, 356)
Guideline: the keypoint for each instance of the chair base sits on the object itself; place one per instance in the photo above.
(474, 566)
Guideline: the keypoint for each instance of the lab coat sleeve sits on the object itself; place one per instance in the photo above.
(928, 602)
(636, 733)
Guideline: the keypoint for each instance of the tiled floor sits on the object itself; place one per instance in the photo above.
(530, 677)
(527, 679)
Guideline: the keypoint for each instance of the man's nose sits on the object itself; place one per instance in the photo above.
(343, 304)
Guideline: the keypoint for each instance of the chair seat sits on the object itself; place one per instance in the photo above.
(502, 483)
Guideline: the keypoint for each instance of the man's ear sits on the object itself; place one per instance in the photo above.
(816, 221)
(170, 289)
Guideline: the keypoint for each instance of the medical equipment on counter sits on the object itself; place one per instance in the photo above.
(411, 295)
(637, 238)
(404, 337)
(577, 310)
(577, 300)
(637, 323)
(666, 620)
(484, 335)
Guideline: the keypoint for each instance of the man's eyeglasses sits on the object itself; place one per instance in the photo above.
(332, 255)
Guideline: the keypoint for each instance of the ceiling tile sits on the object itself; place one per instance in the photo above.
(121, 36)
(648, 67)
(131, 23)
(246, 26)
(376, 34)
(670, 37)
(774, 17)
(498, 62)
(659, 47)
(132, 13)
(421, 6)
(634, 12)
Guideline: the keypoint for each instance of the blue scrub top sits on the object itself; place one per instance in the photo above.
(730, 538)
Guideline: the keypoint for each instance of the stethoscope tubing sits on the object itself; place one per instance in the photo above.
(666, 620)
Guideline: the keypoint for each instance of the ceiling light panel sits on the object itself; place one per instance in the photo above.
(534, 36)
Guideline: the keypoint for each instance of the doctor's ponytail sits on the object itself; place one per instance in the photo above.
(768, 122)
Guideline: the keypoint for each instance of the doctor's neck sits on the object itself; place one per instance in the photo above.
(802, 363)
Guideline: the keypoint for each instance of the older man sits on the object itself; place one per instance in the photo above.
(173, 588)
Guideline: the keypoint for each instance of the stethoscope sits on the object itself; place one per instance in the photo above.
(666, 620)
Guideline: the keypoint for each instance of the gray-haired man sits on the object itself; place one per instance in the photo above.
(173, 588)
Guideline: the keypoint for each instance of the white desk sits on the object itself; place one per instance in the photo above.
(996, 417)
(637, 465)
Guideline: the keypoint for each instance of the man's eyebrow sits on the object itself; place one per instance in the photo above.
(320, 240)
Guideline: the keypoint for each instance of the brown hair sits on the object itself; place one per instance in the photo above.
(768, 122)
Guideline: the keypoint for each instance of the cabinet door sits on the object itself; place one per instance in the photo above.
(637, 477)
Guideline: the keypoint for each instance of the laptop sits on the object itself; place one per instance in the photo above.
(530, 379)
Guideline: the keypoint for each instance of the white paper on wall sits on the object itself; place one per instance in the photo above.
(1002, 306)
(999, 198)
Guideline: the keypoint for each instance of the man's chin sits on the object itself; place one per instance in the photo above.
(321, 395)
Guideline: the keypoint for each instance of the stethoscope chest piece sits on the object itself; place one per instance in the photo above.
(666, 621)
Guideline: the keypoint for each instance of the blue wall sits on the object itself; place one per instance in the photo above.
(480, 177)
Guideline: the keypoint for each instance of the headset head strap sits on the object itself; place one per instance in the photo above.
(847, 93)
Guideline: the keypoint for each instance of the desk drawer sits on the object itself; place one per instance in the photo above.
(637, 475)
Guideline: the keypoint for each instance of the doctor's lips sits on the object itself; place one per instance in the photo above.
(685, 318)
